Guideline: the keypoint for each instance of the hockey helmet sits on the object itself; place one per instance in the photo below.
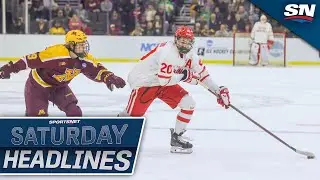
(263, 19)
(76, 41)
(184, 39)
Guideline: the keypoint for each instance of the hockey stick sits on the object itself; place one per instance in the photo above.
(308, 154)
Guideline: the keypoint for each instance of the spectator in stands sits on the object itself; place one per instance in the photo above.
(68, 11)
(124, 14)
(137, 12)
(240, 23)
(20, 9)
(223, 32)
(237, 4)
(230, 21)
(203, 20)
(246, 4)
(197, 29)
(114, 30)
(61, 18)
(214, 24)
(255, 15)
(82, 13)
(150, 12)
(234, 29)
(242, 12)
(38, 10)
(42, 27)
(194, 10)
(232, 8)
(86, 29)
(127, 18)
(143, 22)
(49, 4)
(247, 28)
(158, 26)
(150, 29)
(18, 26)
(93, 5)
(138, 31)
(116, 20)
(167, 5)
(209, 5)
(223, 7)
(219, 15)
(106, 6)
(54, 11)
(164, 16)
(178, 4)
(75, 23)
(206, 32)
(205, 14)
(57, 29)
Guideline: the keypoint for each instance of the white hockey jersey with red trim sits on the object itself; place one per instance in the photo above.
(161, 65)
(262, 32)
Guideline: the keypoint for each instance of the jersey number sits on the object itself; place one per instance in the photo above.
(166, 68)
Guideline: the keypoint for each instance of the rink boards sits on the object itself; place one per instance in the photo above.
(129, 49)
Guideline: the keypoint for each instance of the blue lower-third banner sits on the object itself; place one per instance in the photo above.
(106, 146)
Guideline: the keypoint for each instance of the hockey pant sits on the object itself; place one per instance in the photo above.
(37, 99)
(140, 99)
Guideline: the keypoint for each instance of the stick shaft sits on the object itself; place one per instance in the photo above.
(263, 128)
(254, 122)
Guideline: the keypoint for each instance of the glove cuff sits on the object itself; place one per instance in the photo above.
(107, 75)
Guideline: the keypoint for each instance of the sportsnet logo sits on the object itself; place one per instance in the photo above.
(300, 12)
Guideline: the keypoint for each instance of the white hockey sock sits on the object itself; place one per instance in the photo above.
(183, 119)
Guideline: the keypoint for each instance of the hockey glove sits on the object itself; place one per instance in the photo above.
(189, 76)
(223, 97)
(6, 70)
(270, 44)
(112, 80)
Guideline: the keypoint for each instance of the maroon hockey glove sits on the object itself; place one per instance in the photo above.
(112, 80)
(223, 97)
(6, 70)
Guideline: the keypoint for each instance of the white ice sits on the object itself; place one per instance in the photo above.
(227, 146)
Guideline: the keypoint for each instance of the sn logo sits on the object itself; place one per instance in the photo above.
(300, 12)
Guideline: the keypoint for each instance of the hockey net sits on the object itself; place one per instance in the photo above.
(242, 50)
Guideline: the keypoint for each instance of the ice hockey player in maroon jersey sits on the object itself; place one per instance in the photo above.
(53, 69)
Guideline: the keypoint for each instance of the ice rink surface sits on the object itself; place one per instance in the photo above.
(227, 146)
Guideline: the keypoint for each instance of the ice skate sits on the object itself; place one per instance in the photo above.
(179, 144)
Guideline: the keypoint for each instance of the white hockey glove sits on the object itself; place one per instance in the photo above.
(223, 97)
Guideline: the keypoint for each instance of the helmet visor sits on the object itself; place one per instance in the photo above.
(184, 45)
(82, 49)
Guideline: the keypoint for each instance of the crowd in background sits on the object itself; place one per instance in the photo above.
(219, 18)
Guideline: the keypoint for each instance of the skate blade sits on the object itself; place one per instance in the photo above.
(179, 150)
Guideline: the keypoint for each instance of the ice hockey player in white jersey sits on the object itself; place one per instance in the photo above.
(157, 75)
(262, 41)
